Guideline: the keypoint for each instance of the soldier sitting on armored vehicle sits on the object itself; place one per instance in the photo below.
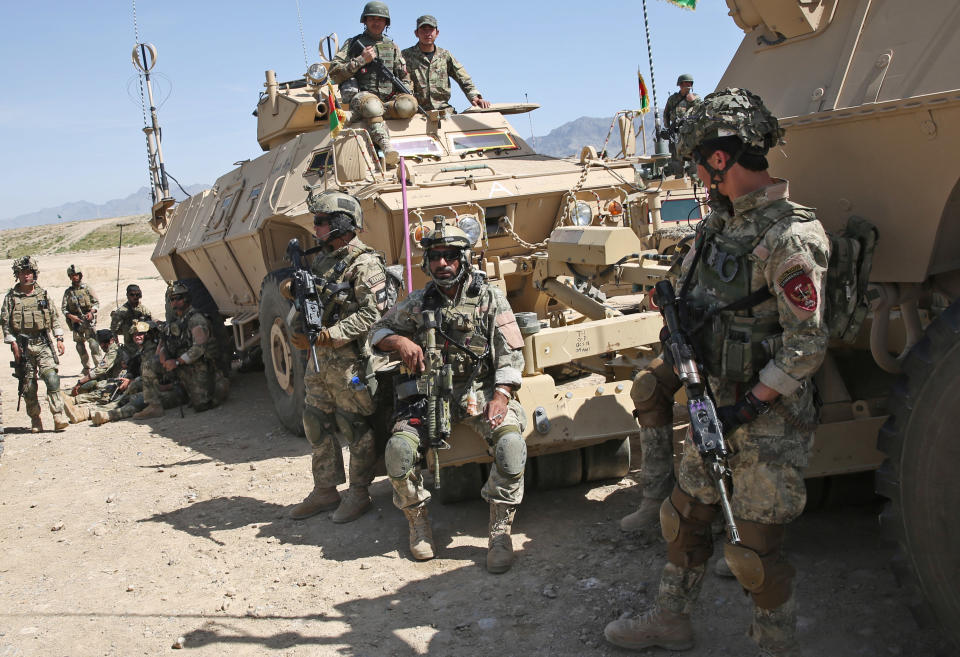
(371, 94)
(431, 68)
(461, 345)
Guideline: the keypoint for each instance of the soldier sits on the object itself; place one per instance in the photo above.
(79, 307)
(99, 385)
(28, 318)
(123, 318)
(338, 400)
(479, 338)
(678, 104)
(189, 351)
(371, 95)
(768, 255)
(432, 67)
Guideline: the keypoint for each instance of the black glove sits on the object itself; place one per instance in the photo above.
(746, 410)
(664, 134)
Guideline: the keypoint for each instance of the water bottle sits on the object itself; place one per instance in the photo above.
(357, 384)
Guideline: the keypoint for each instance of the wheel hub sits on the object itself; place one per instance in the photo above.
(281, 356)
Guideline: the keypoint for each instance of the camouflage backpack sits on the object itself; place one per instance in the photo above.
(848, 276)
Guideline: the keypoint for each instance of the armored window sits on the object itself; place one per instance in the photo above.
(416, 146)
(482, 141)
(682, 209)
(319, 163)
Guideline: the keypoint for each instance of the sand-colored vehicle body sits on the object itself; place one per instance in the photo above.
(869, 94)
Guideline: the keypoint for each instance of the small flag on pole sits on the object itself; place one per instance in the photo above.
(644, 95)
(334, 112)
(684, 4)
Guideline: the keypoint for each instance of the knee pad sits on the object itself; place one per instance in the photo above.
(403, 106)
(401, 454)
(371, 107)
(51, 379)
(759, 564)
(686, 526)
(509, 451)
(652, 394)
(317, 424)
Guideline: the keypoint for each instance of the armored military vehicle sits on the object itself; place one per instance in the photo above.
(576, 293)
(869, 94)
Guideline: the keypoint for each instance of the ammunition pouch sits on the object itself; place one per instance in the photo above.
(759, 564)
(686, 526)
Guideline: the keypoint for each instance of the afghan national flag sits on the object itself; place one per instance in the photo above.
(334, 112)
(684, 4)
(644, 94)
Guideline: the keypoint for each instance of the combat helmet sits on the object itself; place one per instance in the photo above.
(342, 211)
(729, 113)
(26, 262)
(684, 77)
(73, 269)
(446, 235)
(376, 9)
(178, 288)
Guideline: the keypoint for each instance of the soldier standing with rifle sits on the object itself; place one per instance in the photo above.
(371, 60)
(750, 313)
(460, 343)
(79, 307)
(348, 285)
(28, 319)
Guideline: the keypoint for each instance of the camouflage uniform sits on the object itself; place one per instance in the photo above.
(371, 84)
(98, 388)
(477, 320)
(431, 77)
(767, 241)
(189, 338)
(31, 315)
(677, 105)
(79, 300)
(123, 318)
(336, 412)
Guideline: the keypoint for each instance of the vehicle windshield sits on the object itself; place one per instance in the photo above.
(682, 209)
(482, 141)
(417, 146)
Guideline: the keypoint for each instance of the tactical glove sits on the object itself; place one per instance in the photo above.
(324, 339)
(300, 341)
(746, 410)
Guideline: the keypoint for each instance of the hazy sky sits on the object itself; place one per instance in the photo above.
(70, 116)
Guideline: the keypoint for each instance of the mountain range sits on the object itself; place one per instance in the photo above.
(563, 141)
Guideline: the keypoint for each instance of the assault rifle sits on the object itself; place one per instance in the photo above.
(378, 64)
(705, 426)
(306, 298)
(20, 368)
(439, 378)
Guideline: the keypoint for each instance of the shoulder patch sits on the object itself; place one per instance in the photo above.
(799, 290)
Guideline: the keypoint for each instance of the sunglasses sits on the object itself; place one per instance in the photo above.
(447, 254)
(134, 295)
(176, 297)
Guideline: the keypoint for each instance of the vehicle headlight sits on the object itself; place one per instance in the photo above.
(471, 227)
(582, 214)
(317, 73)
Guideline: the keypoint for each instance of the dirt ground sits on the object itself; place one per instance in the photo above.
(128, 538)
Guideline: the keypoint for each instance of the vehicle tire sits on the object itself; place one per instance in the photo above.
(920, 477)
(459, 483)
(609, 460)
(283, 364)
(558, 470)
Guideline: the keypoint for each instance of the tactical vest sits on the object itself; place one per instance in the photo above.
(368, 77)
(79, 300)
(31, 314)
(338, 297)
(732, 343)
(459, 325)
(179, 339)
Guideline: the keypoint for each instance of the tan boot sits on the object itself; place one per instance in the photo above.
(319, 500)
(391, 158)
(74, 412)
(500, 545)
(645, 517)
(151, 411)
(355, 502)
(657, 627)
(36, 424)
(99, 417)
(60, 422)
(421, 536)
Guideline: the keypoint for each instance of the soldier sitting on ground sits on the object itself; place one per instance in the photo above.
(108, 377)
(431, 68)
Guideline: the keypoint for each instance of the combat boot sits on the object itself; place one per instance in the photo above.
(151, 411)
(36, 424)
(657, 627)
(421, 536)
(500, 545)
(647, 516)
(319, 499)
(74, 412)
(391, 158)
(355, 502)
(60, 422)
(99, 417)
